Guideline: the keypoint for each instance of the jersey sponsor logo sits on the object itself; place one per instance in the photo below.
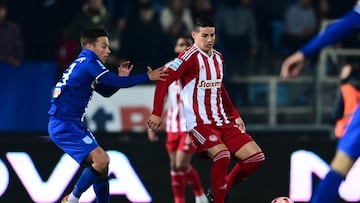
(207, 84)
(175, 64)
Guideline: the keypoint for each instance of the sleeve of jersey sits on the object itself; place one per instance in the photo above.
(228, 105)
(333, 32)
(105, 90)
(174, 70)
(112, 80)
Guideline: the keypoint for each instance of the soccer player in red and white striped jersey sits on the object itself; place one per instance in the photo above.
(216, 127)
(178, 141)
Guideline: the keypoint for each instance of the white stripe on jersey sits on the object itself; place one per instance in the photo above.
(201, 94)
(189, 53)
(175, 120)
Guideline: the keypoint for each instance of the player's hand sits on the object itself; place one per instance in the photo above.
(292, 65)
(152, 135)
(157, 74)
(154, 122)
(125, 68)
(239, 123)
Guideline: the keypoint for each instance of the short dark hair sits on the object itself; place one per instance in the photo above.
(188, 41)
(203, 21)
(89, 36)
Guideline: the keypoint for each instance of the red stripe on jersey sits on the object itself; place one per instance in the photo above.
(207, 98)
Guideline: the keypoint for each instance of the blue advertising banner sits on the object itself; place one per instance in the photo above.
(25, 92)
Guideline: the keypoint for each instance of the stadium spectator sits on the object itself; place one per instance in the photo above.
(237, 32)
(202, 8)
(178, 142)
(347, 98)
(93, 14)
(11, 41)
(71, 96)
(214, 124)
(176, 19)
(143, 28)
(300, 25)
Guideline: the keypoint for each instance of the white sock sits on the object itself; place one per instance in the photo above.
(201, 199)
(73, 199)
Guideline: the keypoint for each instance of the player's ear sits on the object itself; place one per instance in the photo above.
(193, 34)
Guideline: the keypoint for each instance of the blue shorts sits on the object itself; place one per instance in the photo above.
(72, 137)
(350, 142)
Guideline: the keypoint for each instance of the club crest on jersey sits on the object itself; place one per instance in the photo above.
(207, 84)
(213, 138)
(175, 64)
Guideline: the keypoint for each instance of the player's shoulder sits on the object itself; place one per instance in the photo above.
(218, 53)
(188, 53)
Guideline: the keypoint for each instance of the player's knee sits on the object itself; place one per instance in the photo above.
(254, 162)
(181, 166)
(102, 163)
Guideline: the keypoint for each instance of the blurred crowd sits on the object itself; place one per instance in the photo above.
(254, 35)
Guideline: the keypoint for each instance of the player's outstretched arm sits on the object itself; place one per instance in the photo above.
(292, 65)
(157, 74)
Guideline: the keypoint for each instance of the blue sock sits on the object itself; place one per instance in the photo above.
(87, 178)
(101, 188)
(327, 189)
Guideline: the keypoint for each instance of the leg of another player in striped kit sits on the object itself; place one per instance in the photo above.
(193, 179)
(178, 185)
(244, 169)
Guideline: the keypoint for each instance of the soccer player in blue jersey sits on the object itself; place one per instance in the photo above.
(71, 96)
(348, 149)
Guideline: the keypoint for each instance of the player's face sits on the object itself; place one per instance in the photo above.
(180, 46)
(205, 38)
(101, 48)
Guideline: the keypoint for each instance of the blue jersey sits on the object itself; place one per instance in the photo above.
(333, 32)
(87, 73)
(71, 96)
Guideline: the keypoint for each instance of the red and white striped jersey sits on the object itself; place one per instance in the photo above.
(204, 96)
(175, 120)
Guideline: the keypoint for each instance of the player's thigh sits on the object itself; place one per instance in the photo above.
(350, 142)
(172, 142)
(183, 159)
(206, 137)
(185, 143)
(73, 138)
(240, 144)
